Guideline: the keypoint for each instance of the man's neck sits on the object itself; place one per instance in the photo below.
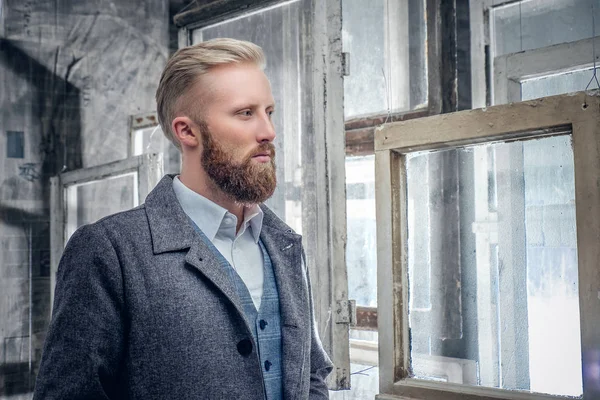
(206, 188)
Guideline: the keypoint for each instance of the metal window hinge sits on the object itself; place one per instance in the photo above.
(345, 312)
(345, 64)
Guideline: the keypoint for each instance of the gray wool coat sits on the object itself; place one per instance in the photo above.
(143, 311)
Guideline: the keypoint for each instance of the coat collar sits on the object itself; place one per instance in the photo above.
(170, 227)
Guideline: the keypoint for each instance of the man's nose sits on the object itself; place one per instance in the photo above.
(266, 131)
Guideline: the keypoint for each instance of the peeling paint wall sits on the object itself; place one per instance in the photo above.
(71, 73)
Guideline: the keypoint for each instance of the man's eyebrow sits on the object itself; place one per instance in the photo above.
(241, 106)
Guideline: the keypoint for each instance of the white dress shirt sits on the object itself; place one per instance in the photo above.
(242, 249)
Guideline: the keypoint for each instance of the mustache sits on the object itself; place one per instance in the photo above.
(264, 148)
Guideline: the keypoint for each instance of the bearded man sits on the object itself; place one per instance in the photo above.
(201, 292)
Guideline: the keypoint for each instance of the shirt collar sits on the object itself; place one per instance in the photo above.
(209, 215)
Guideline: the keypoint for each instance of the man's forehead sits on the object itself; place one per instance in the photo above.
(234, 80)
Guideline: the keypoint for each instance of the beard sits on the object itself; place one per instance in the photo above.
(246, 182)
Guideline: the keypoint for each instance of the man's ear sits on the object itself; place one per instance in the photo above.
(186, 131)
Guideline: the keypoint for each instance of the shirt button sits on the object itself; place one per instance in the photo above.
(262, 323)
(268, 365)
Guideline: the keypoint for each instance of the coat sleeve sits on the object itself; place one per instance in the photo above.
(320, 363)
(84, 344)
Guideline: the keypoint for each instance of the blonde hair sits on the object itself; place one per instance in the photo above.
(188, 63)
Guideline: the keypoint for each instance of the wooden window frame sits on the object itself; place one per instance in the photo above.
(497, 81)
(481, 43)
(580, 114)
(360, 131)
(171, 154)
(511, 69)
(137, 122)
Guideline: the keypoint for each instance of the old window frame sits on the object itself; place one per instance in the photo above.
(137, 122)
(497, 81)
(360, 139)
(326, 245)
(580, 113)
(149, 170)
(511, 69)
(360, 134)
(171, 155)
(360, 131)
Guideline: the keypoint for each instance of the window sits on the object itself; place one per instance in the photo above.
(392, 73)
(484, 283)
(538, 49)
(530, 49)
(393, 70)
(147, 137)
(387, 46)
(15, 144)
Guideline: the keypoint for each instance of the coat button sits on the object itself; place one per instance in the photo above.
(244, 347)
(262, 323)
(268, 365)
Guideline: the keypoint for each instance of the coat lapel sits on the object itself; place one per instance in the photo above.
(172, 230)
(285, 250)
(201, 257)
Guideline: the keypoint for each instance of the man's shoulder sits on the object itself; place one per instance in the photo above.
(121, 223)
(123, 218)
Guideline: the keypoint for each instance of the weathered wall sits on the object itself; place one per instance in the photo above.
(71, 72)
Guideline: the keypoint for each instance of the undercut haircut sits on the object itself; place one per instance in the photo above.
(189, 63)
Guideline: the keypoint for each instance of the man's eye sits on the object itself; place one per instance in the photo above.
(246, 113)
(271, 113)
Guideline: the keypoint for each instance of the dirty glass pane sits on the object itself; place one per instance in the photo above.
(148, 140)
(88, 202)
(277, 31)
(551, 85)
(361, 249)
(535, 24)
(365, 384)
(387, 43)
(152, 140)
(492, 253)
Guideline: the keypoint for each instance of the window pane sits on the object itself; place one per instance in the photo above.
(148, 140)
(492, 256)
(535, 24)
(551, 85)
(387, 42)
(365, 384)
(277, 31)
(88, 202)
(152, 140)
(361, 249)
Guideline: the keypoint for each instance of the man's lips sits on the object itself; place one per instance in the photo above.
(262, 157)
